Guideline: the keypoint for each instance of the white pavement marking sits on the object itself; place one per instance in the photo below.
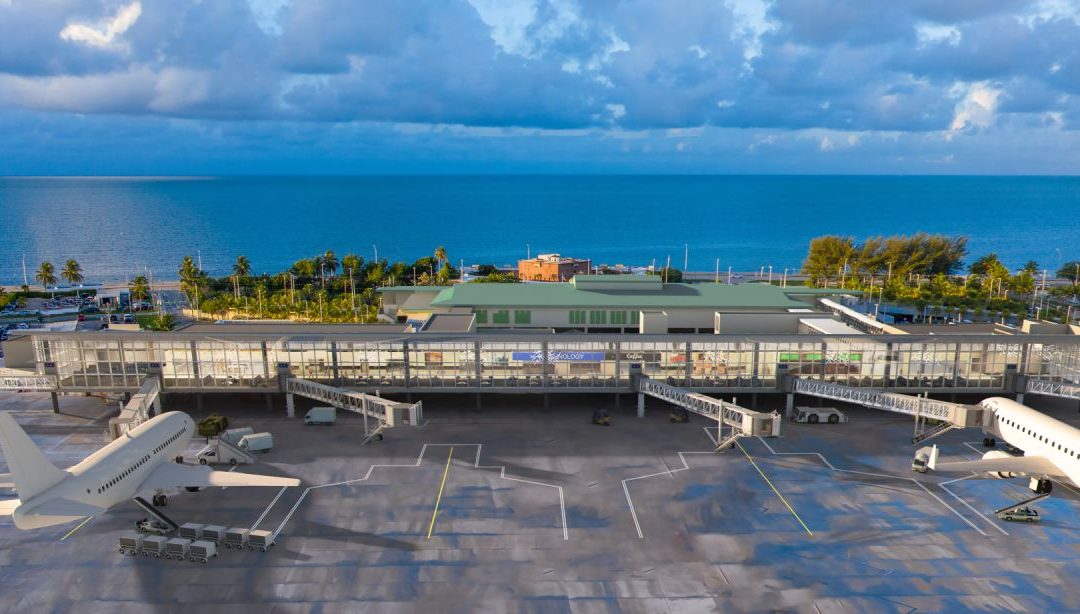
(945, 486)
(267, 510)
(231, 469)
(880, 475)
(81, 428)
(419, 459)
(670, 472)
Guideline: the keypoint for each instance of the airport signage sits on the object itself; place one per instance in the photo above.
(559, 356)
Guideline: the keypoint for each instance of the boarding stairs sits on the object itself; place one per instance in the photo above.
(156, 513)
(743, 422)
(385, 412)
(951, 415)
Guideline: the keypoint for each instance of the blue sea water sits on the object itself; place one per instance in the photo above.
(117, 227)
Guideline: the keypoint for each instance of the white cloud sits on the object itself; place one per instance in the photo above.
(104, 33)
(751, 23)
(617, 110)
(826, 144)
(978, 102)
(928, 34)
(699, 50)
(269, 14)
(725, 103)
(508, 20)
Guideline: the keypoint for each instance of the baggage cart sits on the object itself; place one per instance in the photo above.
(260, 539)
(236, 538)
(202, 551)
(191, 530)
(213, 533)
(153, 545)
(177, 548)
(131, 543)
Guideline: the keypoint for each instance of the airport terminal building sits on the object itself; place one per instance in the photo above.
(798, 333)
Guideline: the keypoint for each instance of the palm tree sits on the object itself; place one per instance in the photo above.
(440, 254)
(242, 268)
(330, 261)
(46, 274)
(140, 288)
(190, 276)
(72, 272)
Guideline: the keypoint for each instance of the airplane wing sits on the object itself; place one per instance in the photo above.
(172, 475)
(1027, 465)
(66, 508)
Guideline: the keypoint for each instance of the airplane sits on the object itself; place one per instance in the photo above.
(1051, 448)
(138, 462)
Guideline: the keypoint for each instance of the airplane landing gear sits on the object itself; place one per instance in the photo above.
(1041, 487)
(160, 500)
(989, 442)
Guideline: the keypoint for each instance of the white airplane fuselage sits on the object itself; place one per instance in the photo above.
(1035, 433)
(114, 473)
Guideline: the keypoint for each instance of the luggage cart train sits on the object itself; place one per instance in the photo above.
(195, 542)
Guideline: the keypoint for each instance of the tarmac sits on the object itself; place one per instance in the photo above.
(517, 508)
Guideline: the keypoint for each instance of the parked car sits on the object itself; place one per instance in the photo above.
(1020, 514)
(153, 527)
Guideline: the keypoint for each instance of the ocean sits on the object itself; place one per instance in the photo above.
(119, 227)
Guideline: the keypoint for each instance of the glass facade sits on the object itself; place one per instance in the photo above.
(553, 362)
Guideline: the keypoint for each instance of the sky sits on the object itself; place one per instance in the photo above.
(189, 87)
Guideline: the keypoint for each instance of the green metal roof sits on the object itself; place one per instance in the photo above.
(411, 288)
(693, 296)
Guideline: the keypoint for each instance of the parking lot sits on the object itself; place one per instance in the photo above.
(514, 507)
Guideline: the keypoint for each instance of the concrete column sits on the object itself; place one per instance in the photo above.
(618, 401)
(641, 405)
(290, 405)
(1020, 398)
(157, 404)
(789, 406)
(55, 402)
(269, 402)
(547, 400)
(198, 401)
(479, 402)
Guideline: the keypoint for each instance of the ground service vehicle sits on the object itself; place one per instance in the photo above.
(321, 415)
(257, 442)
(814, 415)
(1020, 514)
(213, 425)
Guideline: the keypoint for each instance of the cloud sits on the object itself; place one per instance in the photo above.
(976, 107)
(104, 33)
(817, 71)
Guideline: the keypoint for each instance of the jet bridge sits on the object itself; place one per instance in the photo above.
(950, 415)
(385, 412)
(142, 406)
(742, 421)
(1058, 388)
(26, 381)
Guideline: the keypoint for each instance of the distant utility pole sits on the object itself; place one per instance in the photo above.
(686, 257)
(528, 252)
(770, 274)
(667, 268)
(783, 282)
(376, 248)
(717, 278)
(200, 259)
(729, 275)
(25, 282)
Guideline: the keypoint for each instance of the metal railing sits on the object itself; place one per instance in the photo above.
(1052, 388)
(743, 421)
(383, 410)
(30, 382)
(137, 410)
(954, 413)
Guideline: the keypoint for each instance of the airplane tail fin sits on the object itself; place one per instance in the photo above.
(30, 469)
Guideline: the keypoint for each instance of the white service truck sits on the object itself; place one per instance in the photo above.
(321, 415)
(257, 442)
(814, 415)
(221, 452)
(234, 436)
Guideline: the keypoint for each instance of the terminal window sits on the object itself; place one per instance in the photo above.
(522, 317)
(577, 317)
(597, 317)
(481, 316)
(501, 316)
(618, 317)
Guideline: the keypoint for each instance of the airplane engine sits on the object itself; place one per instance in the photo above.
(1000, 475)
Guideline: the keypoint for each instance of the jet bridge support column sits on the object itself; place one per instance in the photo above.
(290, 405)
(55, 402)
(641, 405)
